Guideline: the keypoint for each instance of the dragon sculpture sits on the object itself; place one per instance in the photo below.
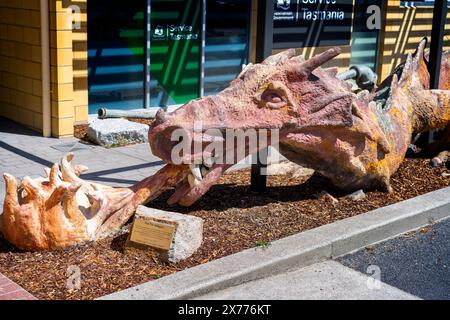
(356, 139)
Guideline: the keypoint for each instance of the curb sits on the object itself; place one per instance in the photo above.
(300, 250)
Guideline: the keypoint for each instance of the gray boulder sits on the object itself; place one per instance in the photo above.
(188, 235)
(117, 132)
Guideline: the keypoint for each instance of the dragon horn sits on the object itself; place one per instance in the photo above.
(68, 173)
(420, 52)
(11, 190)
(31, 187)
(53, 175)
(70, 203)
(307, 67)
(56, 196)
(276, 59)
(11, 202)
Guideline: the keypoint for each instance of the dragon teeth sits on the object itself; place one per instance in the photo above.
(193, 182)
(204, 171)
(196, 172)
(208, 162)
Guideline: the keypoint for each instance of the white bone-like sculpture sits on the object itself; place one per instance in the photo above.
(62, 210)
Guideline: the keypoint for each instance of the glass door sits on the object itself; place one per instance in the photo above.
(116, 46)
(175, 51)
(364, 40)
(227, 42)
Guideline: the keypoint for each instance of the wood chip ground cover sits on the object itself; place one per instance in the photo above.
(235, 219)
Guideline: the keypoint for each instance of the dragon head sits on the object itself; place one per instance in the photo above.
(306, 105)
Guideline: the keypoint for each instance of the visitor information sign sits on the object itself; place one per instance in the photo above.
(312, 23)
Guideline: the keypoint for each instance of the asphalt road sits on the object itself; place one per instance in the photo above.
(417, 263)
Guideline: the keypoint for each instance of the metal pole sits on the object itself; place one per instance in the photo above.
(264, 46)
(147, 57)
(437, 41)
(264, 36)
(202, 53)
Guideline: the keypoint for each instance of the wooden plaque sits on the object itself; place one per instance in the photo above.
(152, 233)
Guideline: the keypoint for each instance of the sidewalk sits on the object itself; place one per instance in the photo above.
(12, 291)
(23, 152)
(327, 280)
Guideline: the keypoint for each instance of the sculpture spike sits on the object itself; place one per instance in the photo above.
(56, 196)
(407, 69)
(80, 169)
(419, 55)
(333, 71)
(315, 62)
(11, 190)
(31, 187)
(54, 175)
(276, 59)
(68, 174)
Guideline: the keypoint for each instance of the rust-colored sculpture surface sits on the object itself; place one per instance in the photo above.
(356, 139)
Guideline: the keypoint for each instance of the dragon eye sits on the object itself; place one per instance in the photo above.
(272, 99)
(271, 96)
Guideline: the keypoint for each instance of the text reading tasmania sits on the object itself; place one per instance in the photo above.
(355, 139)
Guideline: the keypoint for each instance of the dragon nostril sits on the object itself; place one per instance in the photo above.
(160, 116)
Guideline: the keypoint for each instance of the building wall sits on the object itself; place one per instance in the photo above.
(403, 30)
(20, 62)
(68, 29)
(342, 62)
(20, 57)
(80, 65)
(61, 56)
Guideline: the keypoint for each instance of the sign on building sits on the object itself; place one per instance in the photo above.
(312, 23)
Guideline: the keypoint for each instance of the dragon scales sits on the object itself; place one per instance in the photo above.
(356, 140)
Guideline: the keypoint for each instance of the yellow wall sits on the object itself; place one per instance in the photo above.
(69, 66)
(20, 62)
(61, 54)
(403, 30)
(80, 66)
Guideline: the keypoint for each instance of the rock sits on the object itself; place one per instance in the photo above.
(117, 132)
(288, 168)
(327, 197)
(187, 238)
(357, 196)
(441, 159)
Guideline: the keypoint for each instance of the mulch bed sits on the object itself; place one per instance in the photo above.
(235, 219)
(80, 131)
